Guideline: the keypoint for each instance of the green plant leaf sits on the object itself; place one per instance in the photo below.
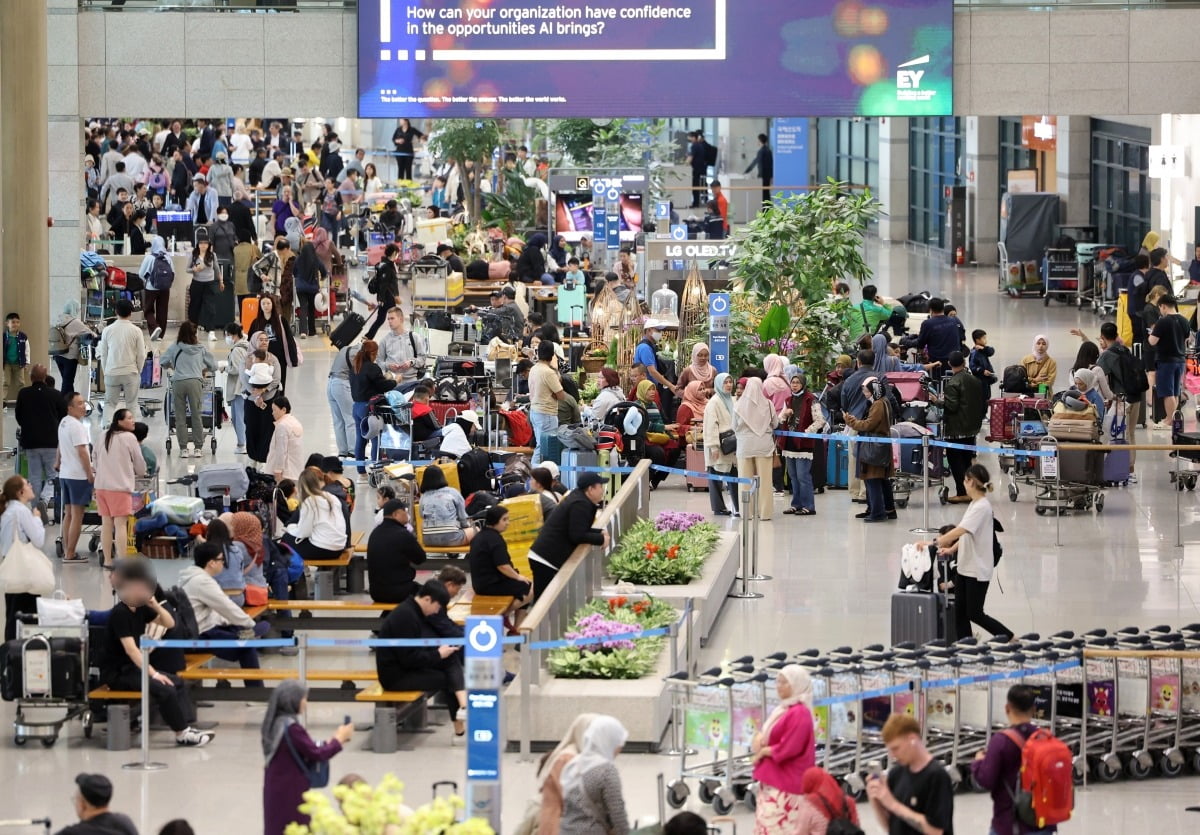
(775, 324)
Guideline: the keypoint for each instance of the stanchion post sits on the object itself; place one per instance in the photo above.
(145, 764)
(302, 643)
(526, 706)
(924, 489)
(1178, 496)
(1058, 497)
(754, 528)
(748, 504)
(1083, 726)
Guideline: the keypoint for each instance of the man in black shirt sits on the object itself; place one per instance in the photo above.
(92, 796)
(697, 158)
(764, 161)
(917, 795)
(1169, 338)
(447, 251)
(121, 667)
(939, 335)
(570, 524)
(393, 555)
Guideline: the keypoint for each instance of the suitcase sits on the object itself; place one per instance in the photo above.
(695, 463)
(249, 313)
(151, 372)
(1116, 464)
(215, 479)
(924, 616)
(1082, 466)
(837, 469)
(65, 679)
(1004, 412)
(819, 466)
(577, 458)
(1075, 431)
(347, 331)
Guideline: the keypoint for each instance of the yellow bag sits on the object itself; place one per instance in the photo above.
(448, 468)
(1124, 324)
(524, 524)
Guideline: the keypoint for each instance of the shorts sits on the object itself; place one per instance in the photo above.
(76, 491)
(1166, 379)
(114, 503)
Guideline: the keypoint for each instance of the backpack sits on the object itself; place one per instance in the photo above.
(1133, 375)
(1045, 793)
(162, 275)
(840, 824)
(59, 343)
(475, 472)
(188, 628)
(997, 548)
(373, 284)
(916, 302)
(710, 153)
(477, 270)
(1015, 379)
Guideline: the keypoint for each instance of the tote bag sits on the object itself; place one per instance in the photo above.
(26, 570)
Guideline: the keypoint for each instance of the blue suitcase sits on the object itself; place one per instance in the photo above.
(837, 472)
(576, 458)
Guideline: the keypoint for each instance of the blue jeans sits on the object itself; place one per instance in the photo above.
(800, 474)
(879, 497)
(544, 426)
(341, 408)
(237, 413)
(360, 442)
(41, 468)
(247, 657)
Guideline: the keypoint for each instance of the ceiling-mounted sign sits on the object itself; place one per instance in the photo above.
(1039, 133)
(1167, 162)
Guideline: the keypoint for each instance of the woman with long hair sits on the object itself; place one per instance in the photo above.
(119, 462)
(366, 381)
(18, 521)
(320, 531)
(205, 279)
(371, 182)
(280, 341)
(190, 362)
(307, 274)
(444, 519)
(290, 753)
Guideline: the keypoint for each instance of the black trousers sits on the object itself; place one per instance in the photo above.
(308, 313)
(716, 491)
(167, 698)
(447, 678)
(543, 575)
(404, 166)
(960, 460)
(14, 604)
(260, 427)
(969, 596)
(766, 181)
(196, 295)
(699, 187)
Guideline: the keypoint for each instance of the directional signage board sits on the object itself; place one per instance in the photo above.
(485, 737)
(718, 330)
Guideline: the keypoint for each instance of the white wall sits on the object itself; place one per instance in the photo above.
(1175, 219)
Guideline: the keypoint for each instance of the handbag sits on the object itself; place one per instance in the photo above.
(58, 610)
(26, 570)
(317, 773)
(874, 454)
(728, 442)
(255, 595)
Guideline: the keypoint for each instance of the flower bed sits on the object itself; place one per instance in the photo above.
(623, 658)
(669, 551)
(363, 809)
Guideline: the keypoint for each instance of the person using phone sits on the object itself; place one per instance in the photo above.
(423, 668)
(916, 795)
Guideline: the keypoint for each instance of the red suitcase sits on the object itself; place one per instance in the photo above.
(695, 463)
(1005, 412)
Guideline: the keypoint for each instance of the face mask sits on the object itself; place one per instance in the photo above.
(223, 216)
(228, 340)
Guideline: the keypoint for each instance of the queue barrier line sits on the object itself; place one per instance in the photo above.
(881, 439)
(224, 643)
(574, 469)
(730, 479)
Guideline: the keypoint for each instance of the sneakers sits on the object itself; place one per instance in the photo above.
(156, 335)
(212, 336)
(193, 737)
(241, 450)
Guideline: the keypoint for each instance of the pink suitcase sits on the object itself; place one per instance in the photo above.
(695, 463)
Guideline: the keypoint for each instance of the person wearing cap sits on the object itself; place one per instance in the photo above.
(647, 354)
(456, 435)
(446, 251)
(220, 178)
(202, 202)
(570, 525)
(393, 555)
(93, 793)
(402, 352)
(262, 386)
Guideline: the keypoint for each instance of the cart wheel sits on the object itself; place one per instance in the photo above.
(1104, 772)
(1195, 761)
(944, 495)
(691, 489)
(902, 504)
(677, 794)
(1100, 503)
(20, 740)
(1136, 769)
(1012, 492)
(707, 792)
(750, 798)
(94, 544)
(1168, 767)
(1040, 511)
(723, 801)
(168, 444)
(1191, 483)
(48, 741)
(1046, 300)
(58, 548)
(1179, 484)
(88, 724)
(214, 445)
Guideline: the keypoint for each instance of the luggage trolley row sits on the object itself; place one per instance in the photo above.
(1118, 715)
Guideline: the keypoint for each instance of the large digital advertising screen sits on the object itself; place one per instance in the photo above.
(610, 58)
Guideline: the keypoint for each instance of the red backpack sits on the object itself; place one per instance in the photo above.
(520, 430)
(1045, 794)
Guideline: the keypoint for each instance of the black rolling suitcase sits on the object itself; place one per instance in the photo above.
(819, 466)
(66, 668)
(923, 616)
(347, 330)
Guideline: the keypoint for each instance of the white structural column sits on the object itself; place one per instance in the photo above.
(1073, 161)
(893, 178)
(64, 151)
(981, 152)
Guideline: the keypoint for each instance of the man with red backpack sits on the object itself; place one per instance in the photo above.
(1027, 770)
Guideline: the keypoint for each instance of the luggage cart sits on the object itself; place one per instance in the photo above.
(212, 408)
(54, 682)
(27, 824)
(918, 417)
(1060, 276)
(1189, 462)
(1054, 495)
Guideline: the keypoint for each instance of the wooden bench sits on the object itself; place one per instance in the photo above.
(346, 677)
(395, 710)
(479, 605)
(456, 551)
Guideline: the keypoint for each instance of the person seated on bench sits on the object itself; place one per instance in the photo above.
(454, 579)
(569, 526)
(422, 668)
(121, 666)
(336, 484)
(444, 519)
(541, 479)
(393, 555)
(320, 533)
(492, 572)
(384, 493)
(217, 616)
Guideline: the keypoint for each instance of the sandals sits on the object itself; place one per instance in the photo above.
(799, 511)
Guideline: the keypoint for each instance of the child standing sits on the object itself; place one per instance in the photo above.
(16, 356)
(980, 364)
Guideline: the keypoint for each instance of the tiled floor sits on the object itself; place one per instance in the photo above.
(832, 583)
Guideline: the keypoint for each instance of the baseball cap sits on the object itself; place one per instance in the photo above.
(496, 294)
(392, 505)
(199, 178)
(470, 416)
(96, 789)
(331, 464)
(588, 480)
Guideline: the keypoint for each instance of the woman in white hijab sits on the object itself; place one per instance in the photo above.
(784, 749)
(547, 813)
(754, 422)
(591, 784)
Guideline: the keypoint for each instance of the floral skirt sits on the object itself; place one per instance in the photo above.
(777, 812)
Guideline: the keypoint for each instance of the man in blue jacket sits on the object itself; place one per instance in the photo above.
(939, 335)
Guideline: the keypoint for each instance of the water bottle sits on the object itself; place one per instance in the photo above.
(225, 501)
(503, 438)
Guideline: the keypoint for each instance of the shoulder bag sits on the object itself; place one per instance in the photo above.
(728, 441)
(317, 772)
(26, 570)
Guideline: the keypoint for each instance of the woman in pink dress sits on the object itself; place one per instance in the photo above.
(783, 751)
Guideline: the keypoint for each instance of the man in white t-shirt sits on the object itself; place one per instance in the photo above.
(241, 147)
(122, 352)
(75, 474)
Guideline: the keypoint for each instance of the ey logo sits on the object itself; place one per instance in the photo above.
(910, 79)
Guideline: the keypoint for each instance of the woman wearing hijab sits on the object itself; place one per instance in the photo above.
(280, 342)
(549, 775)
(531, 266)
(886, 363)
(782, 751)
(877, 478)
(754, 421)
(1085, 393)
(558, 253)
(664, 454)
(608, 397)
(1040, 367)
(802, 414)
(775, 387)
(718, 419)
(591, 784)
(822, 802)
(695, 400)
(290, 754)
(701, 369)
(72, 330)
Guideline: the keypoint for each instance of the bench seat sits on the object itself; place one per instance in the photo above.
(275, 674)
(376, 693)
(105, 693)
